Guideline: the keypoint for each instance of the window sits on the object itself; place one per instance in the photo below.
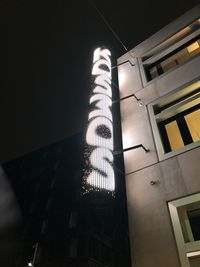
(73, 248)
(185, 217)
(73, 219)
(171, 60)
(44, 227)
(49, 202)
(174, 51)
(100, 251)
(94, 248)
(176, 121)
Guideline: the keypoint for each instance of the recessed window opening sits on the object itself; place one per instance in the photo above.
(194, 220)
(181, 129)
(180, 98)
(177, 119)
(185, 217)
(174, 38)
(173, 59)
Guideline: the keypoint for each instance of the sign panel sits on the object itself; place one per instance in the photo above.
(99, 173)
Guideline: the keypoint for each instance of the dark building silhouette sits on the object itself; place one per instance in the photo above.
(57, 226)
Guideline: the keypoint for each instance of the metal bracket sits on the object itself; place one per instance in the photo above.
(118, 100)
(127, 61)
(130, 148)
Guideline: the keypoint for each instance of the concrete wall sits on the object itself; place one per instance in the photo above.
(151, 234)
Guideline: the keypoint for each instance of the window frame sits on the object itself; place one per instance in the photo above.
(154, 120)
(186, 249)
(157, 56)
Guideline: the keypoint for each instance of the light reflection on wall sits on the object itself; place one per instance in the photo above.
(121, 78)
(127, 140)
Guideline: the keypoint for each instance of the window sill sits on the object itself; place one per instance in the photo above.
(177, 152)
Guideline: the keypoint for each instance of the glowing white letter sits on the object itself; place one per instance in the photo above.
(99, 134)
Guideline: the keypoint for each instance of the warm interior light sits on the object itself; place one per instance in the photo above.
(194, 46)
(193, 123)
(174, 135)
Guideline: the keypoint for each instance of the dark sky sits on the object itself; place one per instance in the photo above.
(46, 49)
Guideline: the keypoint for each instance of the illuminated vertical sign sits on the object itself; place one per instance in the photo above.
(99, 135)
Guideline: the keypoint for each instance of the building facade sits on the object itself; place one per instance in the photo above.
(159, 82)
(46, 220)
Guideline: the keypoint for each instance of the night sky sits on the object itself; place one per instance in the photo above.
(46, 53)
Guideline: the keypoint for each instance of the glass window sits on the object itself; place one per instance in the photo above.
(176, 121)
(73, 219)
(172, 52)
(176, 57)
(181, 129)
(174, 135)
(193, 124)
(194, 26)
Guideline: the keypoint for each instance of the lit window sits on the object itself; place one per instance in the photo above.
(176, 120)
(194, 46)
(174, 135)
(173, 59)
(174, 51)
